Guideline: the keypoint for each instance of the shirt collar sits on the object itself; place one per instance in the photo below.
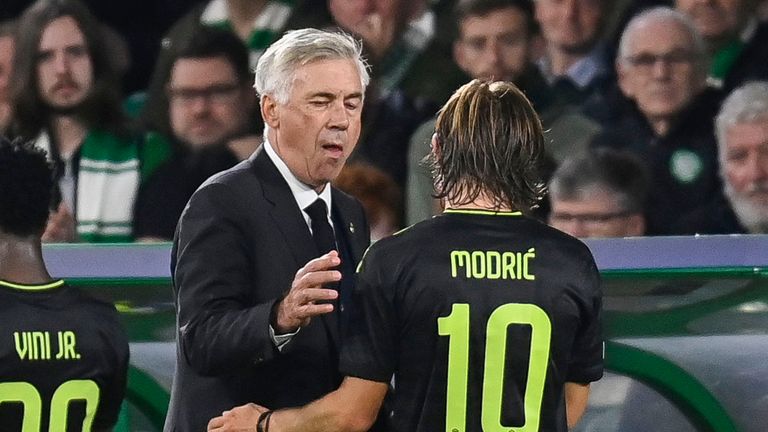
(583, 72)
(302, 193)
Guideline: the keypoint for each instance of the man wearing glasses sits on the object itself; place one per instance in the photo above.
(599, 194)
(208, 113)
(662, 70)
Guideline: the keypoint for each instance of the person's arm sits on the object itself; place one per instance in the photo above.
(576, 397)
(221, 328)
(353, 407)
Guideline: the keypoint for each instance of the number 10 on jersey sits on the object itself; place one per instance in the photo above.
(456, 327)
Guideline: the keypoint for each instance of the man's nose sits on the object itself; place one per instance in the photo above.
(61, 63)
(339, 117)
(756, 168)
(661, 68)
(493, 53)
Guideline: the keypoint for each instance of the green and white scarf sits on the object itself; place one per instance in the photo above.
(107, 184)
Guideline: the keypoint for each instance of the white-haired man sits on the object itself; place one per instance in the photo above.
(742, 139)
(262, 269)
(667, 122)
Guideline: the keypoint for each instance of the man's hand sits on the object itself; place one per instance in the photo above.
(238, 419)
(298, 307)
(60, 227)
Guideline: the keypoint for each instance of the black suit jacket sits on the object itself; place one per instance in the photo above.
(237, 248)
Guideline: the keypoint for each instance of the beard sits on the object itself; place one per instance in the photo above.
(752, 216)
(69, 110)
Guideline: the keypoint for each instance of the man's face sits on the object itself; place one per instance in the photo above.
(317, 128)
(716, 19)
(598, 215)
(493, 46)
(662, 73)
(206, 102)
(6, 62)
(570, 25)
(64, 70)
(745, 170)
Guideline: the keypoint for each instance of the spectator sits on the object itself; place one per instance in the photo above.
(662, 70)
(742, 138)
(412, 74)
(735, 38)
(66, 97)
(575, 61)
(378, 194)
(209, 107)
(257, 23)
(59, 345)
(601, 193)
(494, 40)
(7, 45)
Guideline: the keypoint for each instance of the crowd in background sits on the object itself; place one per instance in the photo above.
(656, 111)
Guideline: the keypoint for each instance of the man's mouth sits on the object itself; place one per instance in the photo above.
(336, 150)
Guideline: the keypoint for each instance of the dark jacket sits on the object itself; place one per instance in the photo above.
(717, 217)
(683, 163)
(239, 244)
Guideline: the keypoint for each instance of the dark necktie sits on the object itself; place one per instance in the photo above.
(322, 232)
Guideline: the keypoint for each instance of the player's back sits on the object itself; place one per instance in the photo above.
(483, 318)
(63, 359)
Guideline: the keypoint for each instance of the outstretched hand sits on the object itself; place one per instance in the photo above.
(300, 305)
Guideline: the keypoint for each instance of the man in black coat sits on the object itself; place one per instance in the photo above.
(260, 296)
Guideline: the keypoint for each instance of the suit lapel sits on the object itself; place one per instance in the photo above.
(286, 215)
(353, 230)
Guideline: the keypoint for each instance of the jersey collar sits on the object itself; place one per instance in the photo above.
(36, 287)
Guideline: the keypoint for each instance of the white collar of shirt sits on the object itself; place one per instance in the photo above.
(302, 193)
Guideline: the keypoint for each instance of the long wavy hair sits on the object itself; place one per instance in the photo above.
(490, 146)
(102, 105)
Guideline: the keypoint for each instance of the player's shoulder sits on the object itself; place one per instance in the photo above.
(398, 246)
(564, 242)
(87, 303)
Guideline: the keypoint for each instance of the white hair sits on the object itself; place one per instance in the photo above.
(663, 14)
(746, 104)
(277, 66)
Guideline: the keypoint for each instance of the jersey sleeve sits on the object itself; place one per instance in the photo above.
(587, 353)
(369, 348)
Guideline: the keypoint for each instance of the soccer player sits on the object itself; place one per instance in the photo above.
(489, 320)
(63, 355)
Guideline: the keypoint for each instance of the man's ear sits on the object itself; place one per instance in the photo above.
(270, 111)
(458, 55)
(623, 79)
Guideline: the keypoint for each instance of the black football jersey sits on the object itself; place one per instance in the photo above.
(481, 317)
(63, 359)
